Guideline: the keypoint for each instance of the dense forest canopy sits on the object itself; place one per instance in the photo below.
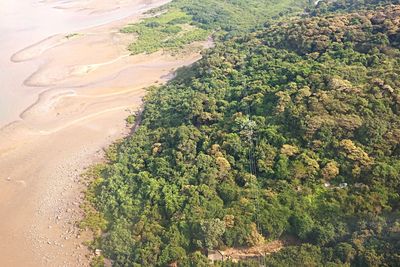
(338, 6)
(236, 15)
(292, 130)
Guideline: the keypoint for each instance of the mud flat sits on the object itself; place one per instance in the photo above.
(85, 84)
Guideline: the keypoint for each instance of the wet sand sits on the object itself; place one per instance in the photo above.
(84, 86)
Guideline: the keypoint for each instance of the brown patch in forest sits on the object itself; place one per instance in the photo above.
(255, 252)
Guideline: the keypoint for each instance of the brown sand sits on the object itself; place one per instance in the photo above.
(89, 85)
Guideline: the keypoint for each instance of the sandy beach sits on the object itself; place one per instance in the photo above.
(81, 88)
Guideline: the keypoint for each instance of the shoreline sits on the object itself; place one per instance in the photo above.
(76, 18)
(83, 100)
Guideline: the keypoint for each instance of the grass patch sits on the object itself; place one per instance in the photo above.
(168, 31)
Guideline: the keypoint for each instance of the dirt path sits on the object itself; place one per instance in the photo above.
(255, 252)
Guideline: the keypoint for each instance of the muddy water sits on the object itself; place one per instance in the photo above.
(25, 22)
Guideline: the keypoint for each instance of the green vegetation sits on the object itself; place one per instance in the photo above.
(289, 130)
(169, 31)
(329, 6)
(235, 16)
(131, 119)
(183, 22)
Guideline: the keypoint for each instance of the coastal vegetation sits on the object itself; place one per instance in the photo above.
(287, 129)
(182, 22)
(169, 31)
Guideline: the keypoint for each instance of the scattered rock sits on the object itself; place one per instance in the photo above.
(97, 252)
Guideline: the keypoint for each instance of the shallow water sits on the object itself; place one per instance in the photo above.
(25, 22)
